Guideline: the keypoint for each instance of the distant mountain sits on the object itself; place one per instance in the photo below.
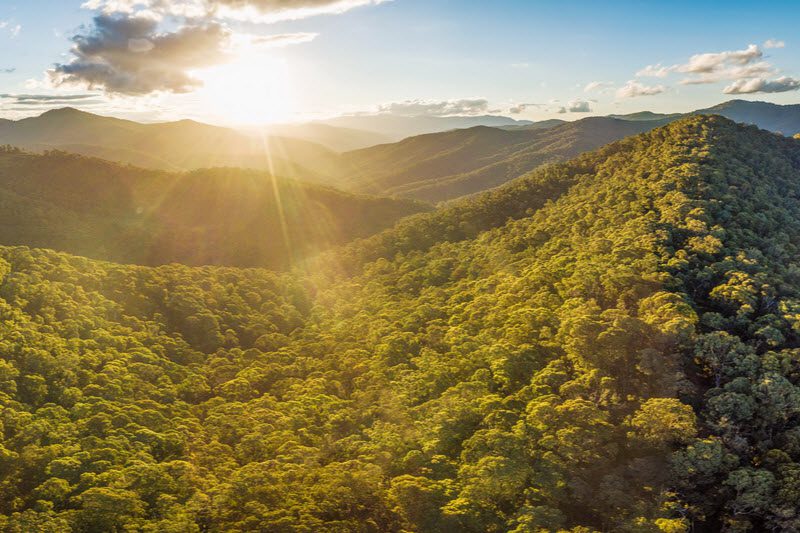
(538, 125)
(784, 119)
(396, 127)
(220, 216)
(332, 137)
(648, 115)
(179, 145)
(443, 166)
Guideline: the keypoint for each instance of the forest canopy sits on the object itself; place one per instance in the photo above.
(607, 344)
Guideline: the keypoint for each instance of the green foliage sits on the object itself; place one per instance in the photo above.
(609, 344)
(443, 166)
(235, 217)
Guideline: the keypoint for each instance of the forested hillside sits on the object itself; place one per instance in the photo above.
(182, 145)
(218, 216)
(443, 166)
(607, 344)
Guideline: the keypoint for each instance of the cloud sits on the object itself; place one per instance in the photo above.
(13, 29)
(520, 108)
(7, 70)
(127, 55)
(576, 106)
(280, 40)
(729, 65)
(596, 85)
(265, 11)
(47, 97)
(745, 68)
(761, 68)
(38, 103)
(761, 85)
(654, 71)
(634, 89)
(711, 62)
(443, 108)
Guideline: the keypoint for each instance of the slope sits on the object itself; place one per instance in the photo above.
(219, 216)
(447, 165)
(783, 119)
(621, 355)
(397, 127)
(179, 145)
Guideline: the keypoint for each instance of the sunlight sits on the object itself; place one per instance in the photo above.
(254, 89)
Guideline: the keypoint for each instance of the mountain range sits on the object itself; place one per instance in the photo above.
(433, 167)
(221, 216)
(604, 344)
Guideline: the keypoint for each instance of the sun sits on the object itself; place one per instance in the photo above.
(253, 89)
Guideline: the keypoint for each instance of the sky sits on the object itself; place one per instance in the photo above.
(258, 61)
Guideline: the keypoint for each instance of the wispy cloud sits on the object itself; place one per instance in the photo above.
(9, 27)
(263, 11)
(597, 86)
(520, 108)
(634, 89)
(761, 85)
(746, 69)
(654, 71)
(440, 108)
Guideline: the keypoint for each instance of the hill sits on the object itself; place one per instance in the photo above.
(183, 145)
(606, 344)
(397, 127)
(784, 119)
(332, 137)
(444, 166)
(218, 216)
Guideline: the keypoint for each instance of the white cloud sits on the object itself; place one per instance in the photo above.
(654, 71)
(711, 62)
(576, 106)
(520, 108)
(264, 11)
(761, 85)
(746, 68)
(634, 89)
(281, 39)
(442, 108)
(13, 29)
(596, 85)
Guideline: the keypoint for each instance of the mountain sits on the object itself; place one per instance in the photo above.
(218, 216)
(784, 119)
(331, 137)
(538, 125)
(647, 115)
(605, 344)
(397, 127)
(182, 145)
(443, 166)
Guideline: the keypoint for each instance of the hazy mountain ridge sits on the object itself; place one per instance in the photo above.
(444, 166)
(219, 216)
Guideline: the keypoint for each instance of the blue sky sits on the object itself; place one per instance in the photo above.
(475, 56)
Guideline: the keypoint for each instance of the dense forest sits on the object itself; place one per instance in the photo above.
(607, 344)
(443, 166)
(110, 211)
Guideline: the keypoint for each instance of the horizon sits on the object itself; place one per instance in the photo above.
(257, 63)
(324, 121)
